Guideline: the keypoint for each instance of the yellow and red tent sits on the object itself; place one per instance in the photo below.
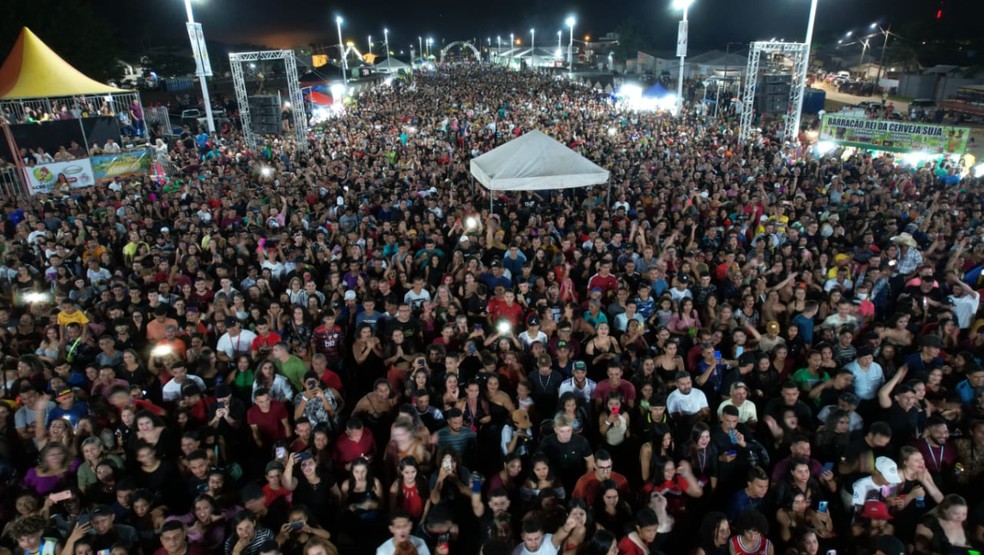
(33, 70)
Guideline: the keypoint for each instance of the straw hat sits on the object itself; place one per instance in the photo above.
(905, 239)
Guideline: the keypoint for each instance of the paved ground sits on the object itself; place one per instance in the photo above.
(852, 99)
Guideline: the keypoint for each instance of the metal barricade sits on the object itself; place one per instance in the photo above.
(11, 185)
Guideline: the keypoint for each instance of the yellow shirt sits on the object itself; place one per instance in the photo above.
(77, 317)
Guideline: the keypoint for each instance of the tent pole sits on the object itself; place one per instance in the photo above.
(18, 161)
(85, 139)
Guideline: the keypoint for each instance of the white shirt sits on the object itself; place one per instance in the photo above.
(688, 404)
(241, 344)
(546, 547)
(388, 548)
(746, 411)
(172, 390)
(584, 393)
(526, 340)
(965, 307)
(866, 488)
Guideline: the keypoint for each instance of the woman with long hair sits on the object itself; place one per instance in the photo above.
(703, 456)
(367, 354)
(303, 477)
(54, 472)
(362, 498)
(660, 445)
(541, 477)
(410, 490)
(945, 529)
(713, 536)
(584, 527)
(267, 377)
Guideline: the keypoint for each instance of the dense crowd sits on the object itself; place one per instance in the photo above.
(337, 347)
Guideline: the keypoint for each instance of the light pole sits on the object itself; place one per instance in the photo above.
(498, 47)
(864, 49)
(533, 49)
(682, 48)
(370, 44)
(570, 45)
(560, 45)
(809, 43)
(420, 43)
(386, 40)
(512, 43)
(341, 49)
(430, 41)
(201, 74)
(881, 60)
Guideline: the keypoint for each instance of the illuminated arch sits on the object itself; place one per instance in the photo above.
(462, 43)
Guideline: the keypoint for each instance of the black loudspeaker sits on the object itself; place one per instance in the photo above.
(264, 114)
(773, 94)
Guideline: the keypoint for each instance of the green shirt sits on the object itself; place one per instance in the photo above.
(293, 369)
(807, 380)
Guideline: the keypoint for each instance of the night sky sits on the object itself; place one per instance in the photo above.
(286, 23)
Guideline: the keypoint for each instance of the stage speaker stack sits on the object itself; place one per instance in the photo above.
(773, 94)
(264, 114)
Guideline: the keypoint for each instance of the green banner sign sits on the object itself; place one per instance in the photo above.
(107, 167)
(893, 136)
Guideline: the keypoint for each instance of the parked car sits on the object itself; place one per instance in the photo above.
(921, 107)
(191, 118)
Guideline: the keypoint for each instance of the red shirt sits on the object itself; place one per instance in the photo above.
(269, 423)
(270, 495)
(499, 309)
(588, 485)
(270, 340)
(331, 379)
(347, 450)
(628, 547)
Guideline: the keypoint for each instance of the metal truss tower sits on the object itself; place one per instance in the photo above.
(798, 52)
(236, 59)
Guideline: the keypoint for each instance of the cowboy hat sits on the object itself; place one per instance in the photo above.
(905, 239)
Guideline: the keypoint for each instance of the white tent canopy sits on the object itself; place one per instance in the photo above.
(535, 162)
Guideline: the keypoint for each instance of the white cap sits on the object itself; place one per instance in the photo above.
(165, 229)
(888, 469)
(350, 295)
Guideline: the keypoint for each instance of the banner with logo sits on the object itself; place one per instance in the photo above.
(45, 178)
(893, 136)
(202, 64)
(107, 167)
(682, 39)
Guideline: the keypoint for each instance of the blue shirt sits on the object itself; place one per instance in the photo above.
(867, 383)
(805, 327)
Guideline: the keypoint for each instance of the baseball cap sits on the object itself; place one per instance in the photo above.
(562, 345)
(580, 365)
(888, 469)
(350, 295)
(875, 509)
(772, 327)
